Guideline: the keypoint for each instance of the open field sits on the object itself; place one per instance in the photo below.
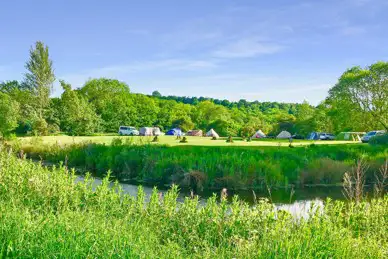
(172, 141)
(45, 214)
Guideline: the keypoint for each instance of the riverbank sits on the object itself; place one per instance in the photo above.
(46, 213)
(214, 168)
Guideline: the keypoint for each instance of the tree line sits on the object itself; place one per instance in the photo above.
(358, 102)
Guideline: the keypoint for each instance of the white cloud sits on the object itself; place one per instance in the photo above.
(247, 48)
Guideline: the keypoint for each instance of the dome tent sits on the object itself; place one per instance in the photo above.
(259, 134)
(313, 136)
(174, 132)
(212, 133)
(284, 135)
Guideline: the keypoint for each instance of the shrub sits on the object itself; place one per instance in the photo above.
(379, 140)
(117, 142)
(230, 139)
(325, 171)
(40, 127)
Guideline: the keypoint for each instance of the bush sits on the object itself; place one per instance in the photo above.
(40, 127)
(229, 140)
(379, 140)
(324, 171)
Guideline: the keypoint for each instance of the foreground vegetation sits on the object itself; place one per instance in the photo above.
(45, 213)
(212, 167)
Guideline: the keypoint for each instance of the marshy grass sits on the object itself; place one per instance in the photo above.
(45, 213)
(232, 167)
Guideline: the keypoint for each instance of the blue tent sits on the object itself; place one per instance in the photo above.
(174, 132)
(313, 136)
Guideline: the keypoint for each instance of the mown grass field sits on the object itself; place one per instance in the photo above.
(172, 141)
(45, 213)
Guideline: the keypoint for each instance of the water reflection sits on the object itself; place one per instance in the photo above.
(301, 202)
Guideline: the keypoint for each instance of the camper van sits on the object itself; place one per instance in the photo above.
(128, 131)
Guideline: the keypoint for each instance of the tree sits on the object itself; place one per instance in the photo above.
(156, 94)
(184, 124)
(78, 116)
(40, 77)
(366, 90)
(112, 100)
(9, 112)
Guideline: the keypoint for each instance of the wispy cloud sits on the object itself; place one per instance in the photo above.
(122, 71)
(247, 48)
(165, 64)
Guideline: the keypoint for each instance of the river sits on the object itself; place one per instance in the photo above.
(298, 204)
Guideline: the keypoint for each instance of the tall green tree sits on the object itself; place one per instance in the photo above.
(40, 76)
(112, 100)
(78, 115)
(9, 113)
(364, 91)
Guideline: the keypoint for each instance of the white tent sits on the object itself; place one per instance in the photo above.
(259, 134)
(149, 131)
(284, 135)
(212, 133)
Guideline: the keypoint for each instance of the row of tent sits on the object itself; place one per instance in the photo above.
(197, 133)
(155, 131)
(282, 135)
(355, 136)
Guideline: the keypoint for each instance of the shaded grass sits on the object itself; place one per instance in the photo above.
(45, 213)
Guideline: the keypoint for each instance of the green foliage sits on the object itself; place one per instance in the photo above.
(40, 76)
(9, 113)
(361, 95)
(47, 213)
(228, 166)
(379, 140)
(78, 115)
(40, 127)
(112, 101)
(185, 124)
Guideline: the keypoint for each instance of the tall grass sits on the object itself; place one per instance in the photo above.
(47, 214)
(218, 167)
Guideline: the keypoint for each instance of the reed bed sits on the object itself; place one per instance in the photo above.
(214, 167)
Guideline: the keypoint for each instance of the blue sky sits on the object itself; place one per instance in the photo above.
(276, 50)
